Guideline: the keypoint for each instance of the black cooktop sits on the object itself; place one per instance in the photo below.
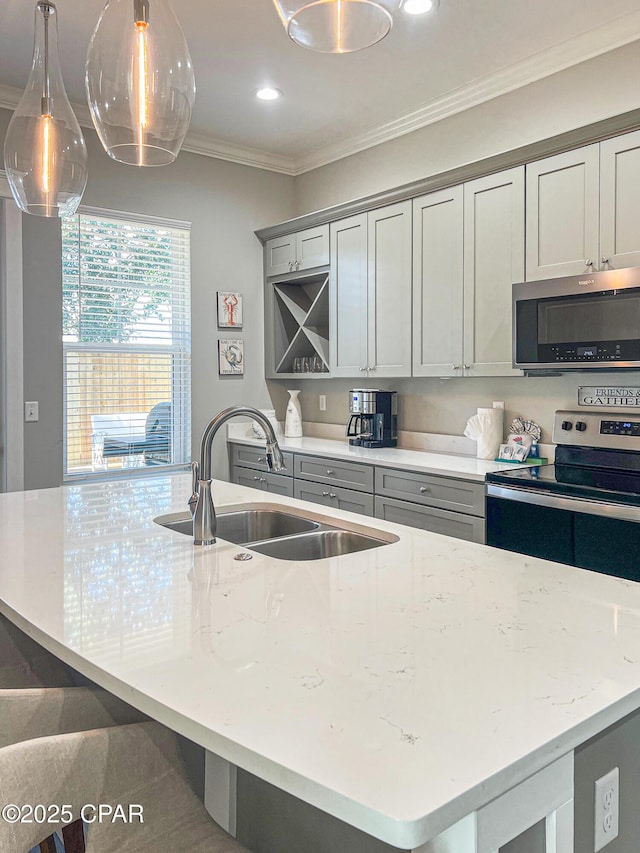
(615, 485)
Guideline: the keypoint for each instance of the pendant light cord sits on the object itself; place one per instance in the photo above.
(46, 8)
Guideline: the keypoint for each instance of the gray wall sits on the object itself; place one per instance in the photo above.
(593, 90)
(225, 202)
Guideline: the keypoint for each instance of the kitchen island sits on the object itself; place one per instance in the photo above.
(429, 692)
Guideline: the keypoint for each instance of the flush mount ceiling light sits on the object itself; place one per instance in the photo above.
(419, 7)
(44, 152)
(337, 26)
(268, 93)
(140, 82)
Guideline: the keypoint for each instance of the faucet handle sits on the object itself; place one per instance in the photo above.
(275, 459)
(195, 477)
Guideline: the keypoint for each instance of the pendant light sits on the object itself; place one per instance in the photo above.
(337, 26)
(140, 82)
(44, 152)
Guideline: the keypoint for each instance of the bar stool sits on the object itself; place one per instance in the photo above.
(25, 663)
(138, 767)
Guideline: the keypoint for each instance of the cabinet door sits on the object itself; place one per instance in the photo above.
(280, 255)
(312, 248)
(437, 283)
(249, 477)
(620, 202)
(348, 297)
(389, 291)
(493, 261)
(562, 214)
(278, 484)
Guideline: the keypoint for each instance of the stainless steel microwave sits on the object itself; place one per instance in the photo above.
(581, 322)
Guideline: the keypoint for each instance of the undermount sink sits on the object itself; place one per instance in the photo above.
(317, 546)
(279, 534)
(243, 526)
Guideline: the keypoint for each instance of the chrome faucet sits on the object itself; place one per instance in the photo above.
(201, 500)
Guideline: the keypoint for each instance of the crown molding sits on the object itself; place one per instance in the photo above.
(580, 48)
(194, 143)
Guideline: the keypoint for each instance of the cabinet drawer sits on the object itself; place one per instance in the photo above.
(455, 524)
(443, 492)
(345, 499)
(266, 482)
(351, 475)
(256, 457)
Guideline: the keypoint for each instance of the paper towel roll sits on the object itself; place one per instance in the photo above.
(486, 428)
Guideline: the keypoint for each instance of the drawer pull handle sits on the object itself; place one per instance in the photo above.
(330, 472)
(331, 495)
(262, 458)
(424, 489)
(257, 478)
(325, 494)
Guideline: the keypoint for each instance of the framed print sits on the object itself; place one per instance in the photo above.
(229, 310)
(230, 357)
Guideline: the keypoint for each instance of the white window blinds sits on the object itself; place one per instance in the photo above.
(127, 344)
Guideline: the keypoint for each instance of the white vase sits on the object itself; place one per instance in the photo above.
(293, 421)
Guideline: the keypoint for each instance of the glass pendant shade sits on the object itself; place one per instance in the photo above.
(337, 26)
(140, 82)
(45, 157)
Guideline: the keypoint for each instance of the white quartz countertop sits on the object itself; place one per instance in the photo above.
(398, 689)
(425, 461)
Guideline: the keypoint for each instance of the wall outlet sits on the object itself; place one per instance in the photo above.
(607, 809)
(31, 412)
(322, 401)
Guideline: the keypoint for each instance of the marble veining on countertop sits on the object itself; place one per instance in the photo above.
(398, 688)
(424, 461)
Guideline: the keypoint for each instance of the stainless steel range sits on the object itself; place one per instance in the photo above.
(585, 509)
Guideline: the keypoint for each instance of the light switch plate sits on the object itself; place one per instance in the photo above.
(31, 412)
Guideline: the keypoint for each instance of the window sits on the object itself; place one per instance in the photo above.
(127, 343)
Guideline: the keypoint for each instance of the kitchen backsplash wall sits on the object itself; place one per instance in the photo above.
(444, 405)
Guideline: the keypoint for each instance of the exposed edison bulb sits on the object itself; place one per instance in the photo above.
(44, 152)
(140, 82)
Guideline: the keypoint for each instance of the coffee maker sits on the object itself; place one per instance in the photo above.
(374, 418)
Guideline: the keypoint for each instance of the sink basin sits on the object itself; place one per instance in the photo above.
(317, 545)
(276, 533)
(244, 526)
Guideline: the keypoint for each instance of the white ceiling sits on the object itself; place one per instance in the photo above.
(429, 66)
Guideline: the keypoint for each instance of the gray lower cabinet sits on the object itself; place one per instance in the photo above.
(441, 492)
(455, 524)
(350, 475)
(256, 457)
(277, 484)
(333, 496)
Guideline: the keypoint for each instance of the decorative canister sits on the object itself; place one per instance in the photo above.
(293, 421)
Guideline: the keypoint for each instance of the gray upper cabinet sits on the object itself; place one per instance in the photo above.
(389, 291)
(370, 293)
(582, 210)
(468, 248)
(438, 267)
(297, 252)
(563, 214)
(348, 297)
(493, 261)
(620, 202)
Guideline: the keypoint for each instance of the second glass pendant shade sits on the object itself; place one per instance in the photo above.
(140, 82)
(337, 26)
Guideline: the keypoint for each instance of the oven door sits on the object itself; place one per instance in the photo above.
(578, 323)
(594, 535)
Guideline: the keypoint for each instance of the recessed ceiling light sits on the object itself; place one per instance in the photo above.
(269, 94)
(419, 7)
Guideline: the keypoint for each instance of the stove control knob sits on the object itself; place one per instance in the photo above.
(581, 426)
(567, 426)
